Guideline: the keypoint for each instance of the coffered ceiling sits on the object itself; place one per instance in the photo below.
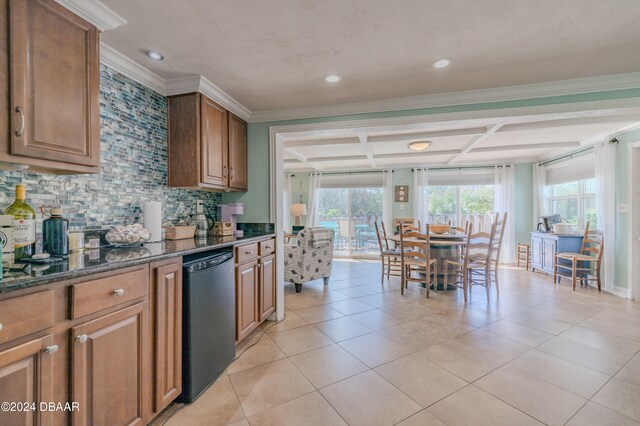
(461, 142)
(272, 55)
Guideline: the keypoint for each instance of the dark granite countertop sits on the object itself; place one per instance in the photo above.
(107, 259)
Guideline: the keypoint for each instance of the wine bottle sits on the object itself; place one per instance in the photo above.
(23, 225)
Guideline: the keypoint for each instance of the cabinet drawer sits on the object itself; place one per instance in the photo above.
(25, 315)
(267, 247)
(246, 252)
(103, 293)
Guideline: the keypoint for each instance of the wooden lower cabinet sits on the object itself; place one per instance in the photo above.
(26, 376)
(255, 285)
(108, 359)
(246, 299)
(266, 285)
(167, 332)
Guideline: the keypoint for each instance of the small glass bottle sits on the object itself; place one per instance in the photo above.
(55, 234)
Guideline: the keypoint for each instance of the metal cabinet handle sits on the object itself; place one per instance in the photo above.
(230, 172)
(248, 252)
(224, 171)
(267, 247)
(118, 292)
(81, 338)
(51, 349)
(1, 326)
(20, 131)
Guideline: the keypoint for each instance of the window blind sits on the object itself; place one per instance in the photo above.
(461, 177)
(359, 180)
(571, 170)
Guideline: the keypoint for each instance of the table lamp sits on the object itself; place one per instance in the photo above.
(297, 210)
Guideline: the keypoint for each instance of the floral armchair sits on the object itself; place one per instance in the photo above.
(309, 257)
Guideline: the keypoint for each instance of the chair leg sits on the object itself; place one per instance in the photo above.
(555, 271)
(465, 284)
(402, 280)
(598, 272)
(382, 271)
(487, 280)
(574, 277)
(326, 280)
(298, 287)
(497, 283)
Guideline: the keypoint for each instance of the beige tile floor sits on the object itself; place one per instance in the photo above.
(356, 352)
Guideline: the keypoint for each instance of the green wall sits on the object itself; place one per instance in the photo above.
(623, 224)
(523, 215)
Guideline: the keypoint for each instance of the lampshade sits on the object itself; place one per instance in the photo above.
(299, 209)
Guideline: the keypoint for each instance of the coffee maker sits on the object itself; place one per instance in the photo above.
(545, 223)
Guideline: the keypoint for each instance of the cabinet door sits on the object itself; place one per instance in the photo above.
(26, 376)
(246, 299)
(109, 355)
(536, 252)
(213, 143)
(237, 153)
(549, 254)
(55, 77)
(267, 290)
(167, 340)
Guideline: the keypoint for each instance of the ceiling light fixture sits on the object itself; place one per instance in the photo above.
(442, 63)
(154, 55)
(419, 145)
(332, 78)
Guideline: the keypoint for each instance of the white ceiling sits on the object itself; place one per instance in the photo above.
(460, 142)
(272, 55)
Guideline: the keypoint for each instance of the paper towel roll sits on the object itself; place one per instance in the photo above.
(152, 212)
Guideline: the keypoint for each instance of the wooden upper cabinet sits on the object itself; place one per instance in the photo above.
(54, 87)
(207, 145)
(237, 153)
(214, 144)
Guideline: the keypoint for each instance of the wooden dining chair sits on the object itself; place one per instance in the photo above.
(500, 226)
(398, 222)
(415, 260)
(390, 258)
(475, 267)
(586, 265)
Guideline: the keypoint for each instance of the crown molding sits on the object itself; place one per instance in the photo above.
(198, 83)
(174, 86)
(466, 97)
(125, 65)
(95, 12)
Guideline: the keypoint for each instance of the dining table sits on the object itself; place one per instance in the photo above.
(442, 247)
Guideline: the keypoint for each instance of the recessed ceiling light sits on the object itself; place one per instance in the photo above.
(419, 145)
(154, 55)
(332, 78)
(442, 63)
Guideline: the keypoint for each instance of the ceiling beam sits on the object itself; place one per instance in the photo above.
(367, 150)
(297, 143)
(408, 137)
(530, 146)
(334, 158)
(475, 141)
(418, 154)
(301, 158)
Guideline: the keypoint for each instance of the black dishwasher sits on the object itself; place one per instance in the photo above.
(208, 320)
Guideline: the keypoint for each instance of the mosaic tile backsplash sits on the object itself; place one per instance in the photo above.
(133, 164)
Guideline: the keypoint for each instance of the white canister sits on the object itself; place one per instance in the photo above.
(76, 240)
(152, 213)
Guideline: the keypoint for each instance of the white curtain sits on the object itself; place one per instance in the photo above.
(287, 202)
(387, 198)
(505, 202)
(540, 193)
(605, 167)
(315, 180)
(421, 196)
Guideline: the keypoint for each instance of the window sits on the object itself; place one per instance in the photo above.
(575, 202)
(459, 204)
(351, 213)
